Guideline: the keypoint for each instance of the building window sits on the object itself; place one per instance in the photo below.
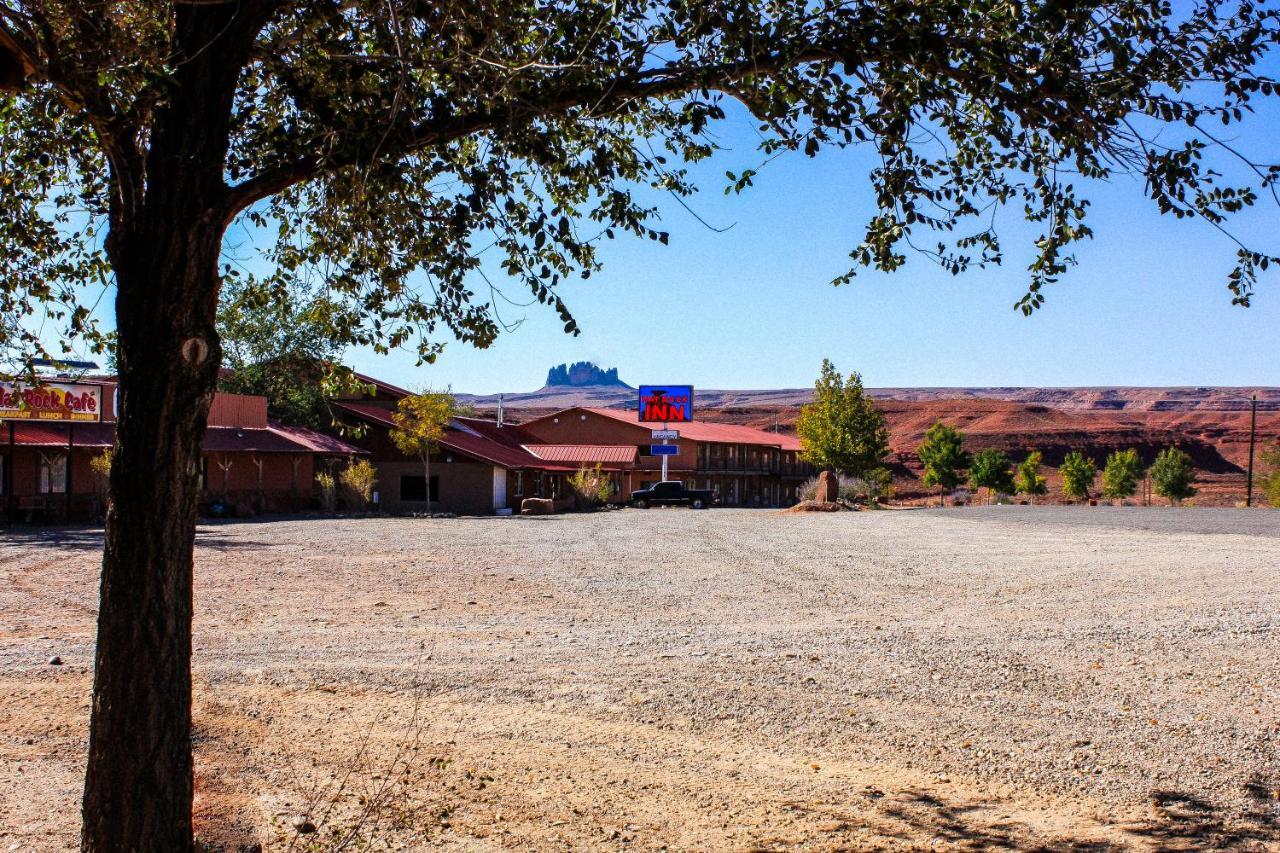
(413, 488)
(53, 474)
(643, 450)
(517, 489)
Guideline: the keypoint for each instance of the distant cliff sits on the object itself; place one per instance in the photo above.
(582, 374)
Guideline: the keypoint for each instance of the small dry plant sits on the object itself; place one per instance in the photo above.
(379, 798)
(358, 482)
(328, 491)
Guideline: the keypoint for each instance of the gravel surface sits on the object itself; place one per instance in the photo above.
(1012, 677)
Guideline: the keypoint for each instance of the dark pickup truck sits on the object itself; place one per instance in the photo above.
(672, 493)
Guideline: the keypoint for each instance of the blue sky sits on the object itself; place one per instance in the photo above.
(753, 307)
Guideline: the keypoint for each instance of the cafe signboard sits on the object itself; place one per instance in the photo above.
(51, 401)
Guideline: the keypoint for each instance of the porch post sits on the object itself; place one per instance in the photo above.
(8, 474)
(71, 432)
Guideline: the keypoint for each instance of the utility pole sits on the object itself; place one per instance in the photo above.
(1253, 437)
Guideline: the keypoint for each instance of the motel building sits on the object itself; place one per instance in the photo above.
(487, 465)
(50, 434)
(744, 466)
(481, 466)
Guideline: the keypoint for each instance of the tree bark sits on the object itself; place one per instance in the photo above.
(164, 243)
(138, 785)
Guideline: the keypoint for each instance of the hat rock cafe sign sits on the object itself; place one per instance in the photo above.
(50, 401)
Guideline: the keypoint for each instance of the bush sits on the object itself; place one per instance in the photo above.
(877, 484)
(590, 487)
(358, 481)
(328, 491)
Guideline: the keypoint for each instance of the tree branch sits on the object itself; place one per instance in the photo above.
(601, 99)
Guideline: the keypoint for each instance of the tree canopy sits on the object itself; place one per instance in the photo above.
(842, 429)
(281, 345)
(1030, 481)
(390, 147)
(992, 470)
(1078, 473)
(943, 455)
(1121, 474)
(1172, 475)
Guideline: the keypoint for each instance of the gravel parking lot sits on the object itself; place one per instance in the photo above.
(1007, 677)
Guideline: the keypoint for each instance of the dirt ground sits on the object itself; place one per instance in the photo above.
(1012, 678)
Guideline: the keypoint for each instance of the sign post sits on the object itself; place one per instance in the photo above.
(665, 404)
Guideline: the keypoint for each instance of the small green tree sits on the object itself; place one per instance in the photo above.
(992, 470)
(590, 487)
(842, 429)
(359, 479)
(1172, 475)
(1030, 481)
(1271, 484)
(944, 458)
(1121, 474)
(420, 422)
(1078, 474)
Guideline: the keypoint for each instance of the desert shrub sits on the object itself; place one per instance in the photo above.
(869, 488)
(1172, 475)
(590, 487)
(808, 490)
(358, 481)
(877, 484)
(328, 491)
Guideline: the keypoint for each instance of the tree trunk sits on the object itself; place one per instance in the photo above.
(169, 208)
(138, 784)
(426, 477)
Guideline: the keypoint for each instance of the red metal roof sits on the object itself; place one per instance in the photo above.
(248, 440)
(316, 442)
(704, 430)
(585, 454)
(274, 439)
(35, 434)
(371, 412)
(479, 439)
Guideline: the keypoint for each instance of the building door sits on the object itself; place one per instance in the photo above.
(499, 487)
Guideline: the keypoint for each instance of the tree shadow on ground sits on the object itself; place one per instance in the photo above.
(72, 538)
(1177, 821)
